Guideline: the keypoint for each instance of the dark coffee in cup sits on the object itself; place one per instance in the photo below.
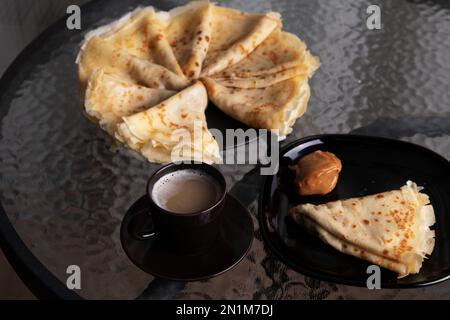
(186, 191)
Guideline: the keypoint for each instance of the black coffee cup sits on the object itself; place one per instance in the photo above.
(183, 233)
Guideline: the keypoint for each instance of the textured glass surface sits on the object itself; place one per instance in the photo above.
(66, 192)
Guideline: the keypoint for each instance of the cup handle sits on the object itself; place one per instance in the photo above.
(141, 226)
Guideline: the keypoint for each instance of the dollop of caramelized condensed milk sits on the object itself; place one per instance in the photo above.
(317, 173)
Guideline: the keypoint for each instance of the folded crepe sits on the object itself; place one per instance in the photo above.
(281, 56)
(189, 33)
(110, 97)
(101, 53)
(390, 229)
(134, 47)
(275, 108)
(173, 130)
(234, 35)
(141, 33)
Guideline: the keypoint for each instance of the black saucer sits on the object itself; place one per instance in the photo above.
(231, 246)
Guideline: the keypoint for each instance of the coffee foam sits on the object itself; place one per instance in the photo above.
(167, 185)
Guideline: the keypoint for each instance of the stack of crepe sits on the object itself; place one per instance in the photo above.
(146, 78)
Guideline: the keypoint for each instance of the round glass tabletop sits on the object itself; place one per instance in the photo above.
(64, 191)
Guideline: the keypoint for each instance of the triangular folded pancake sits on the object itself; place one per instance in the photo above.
(261, 81)
(189, 32)
(109, 98)
(281, 51)
(173, 130)
(143, 36)
(140, 34)
(390, 229)
(274, 108)
(280, 57)
(99, 53)
(234, 35)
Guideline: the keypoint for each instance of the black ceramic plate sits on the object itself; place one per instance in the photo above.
(369, 165)
(233, 243)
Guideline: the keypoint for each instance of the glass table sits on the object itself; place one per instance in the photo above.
(64, 192)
